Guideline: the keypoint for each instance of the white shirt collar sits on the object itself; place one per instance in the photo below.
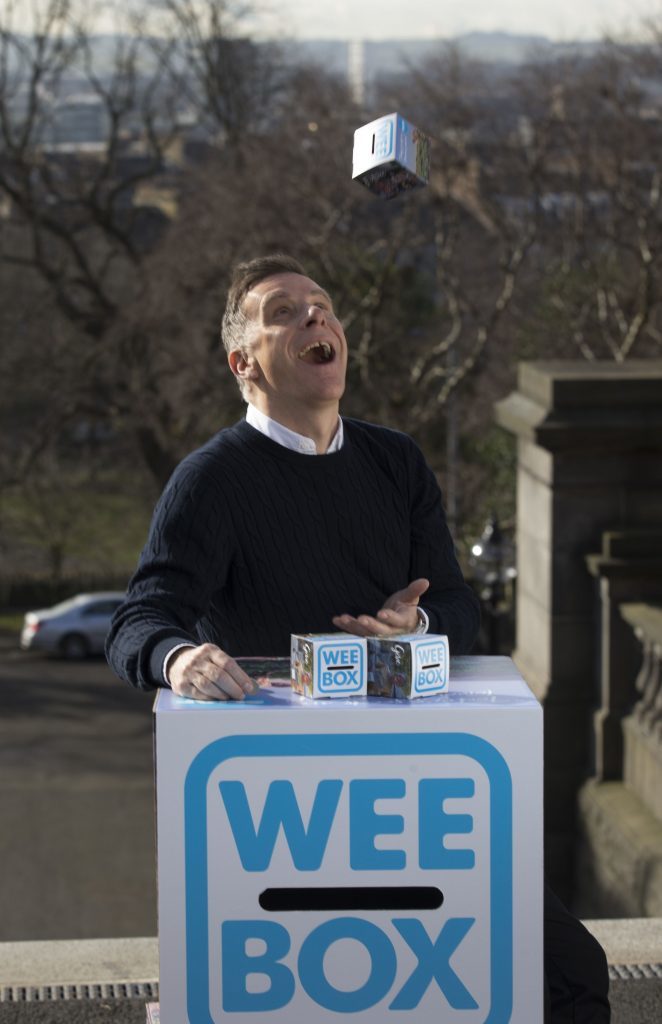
(289, 438)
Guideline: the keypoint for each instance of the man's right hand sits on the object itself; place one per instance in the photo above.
(208, 673)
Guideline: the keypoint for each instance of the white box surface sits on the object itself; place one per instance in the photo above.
(359, 808)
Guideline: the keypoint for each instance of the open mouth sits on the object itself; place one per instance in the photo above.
(318, 352)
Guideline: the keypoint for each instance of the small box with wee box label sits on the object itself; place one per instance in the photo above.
(408, 666)
(329, 665)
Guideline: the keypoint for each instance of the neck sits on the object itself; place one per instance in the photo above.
(320, 424)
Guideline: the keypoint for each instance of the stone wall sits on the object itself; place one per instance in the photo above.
(589, 465)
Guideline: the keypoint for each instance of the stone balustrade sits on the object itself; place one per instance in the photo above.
(619, 864)
(642, 729)
(628, 569)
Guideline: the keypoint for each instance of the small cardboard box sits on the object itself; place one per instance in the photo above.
(329, 665)
(390, 156)
(407, 666)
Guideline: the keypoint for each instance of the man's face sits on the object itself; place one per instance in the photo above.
(296, 350)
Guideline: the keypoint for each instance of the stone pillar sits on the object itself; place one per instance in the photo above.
(589, 462)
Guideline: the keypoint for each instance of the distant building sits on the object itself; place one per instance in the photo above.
(77, 120)
(356, 70)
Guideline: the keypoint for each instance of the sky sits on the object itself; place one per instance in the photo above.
(563, 20)
(388, 19)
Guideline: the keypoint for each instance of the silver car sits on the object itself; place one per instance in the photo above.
(74, 628)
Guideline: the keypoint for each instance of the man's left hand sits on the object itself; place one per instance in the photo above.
(397, 615)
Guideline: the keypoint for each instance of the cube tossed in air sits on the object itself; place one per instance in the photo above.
(391, 156)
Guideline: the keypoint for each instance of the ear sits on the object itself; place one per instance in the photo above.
(243, 366)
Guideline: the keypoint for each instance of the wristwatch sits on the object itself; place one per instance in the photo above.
(423, 621)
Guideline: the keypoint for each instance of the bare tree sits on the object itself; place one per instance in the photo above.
(599, 290)
(233, 84)
(538, 234)
(84, 219)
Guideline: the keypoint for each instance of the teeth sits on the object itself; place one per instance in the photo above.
(324, 345)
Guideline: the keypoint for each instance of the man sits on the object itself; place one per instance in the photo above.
(295, 520)
(256, 538)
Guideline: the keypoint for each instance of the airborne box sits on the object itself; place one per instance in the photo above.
(329, 665)
(407, 666)
(390, 156)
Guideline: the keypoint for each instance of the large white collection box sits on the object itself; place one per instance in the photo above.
(376, 858)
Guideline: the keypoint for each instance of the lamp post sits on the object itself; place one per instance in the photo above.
(492, 562)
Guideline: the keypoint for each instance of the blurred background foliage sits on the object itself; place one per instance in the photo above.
(136, 169)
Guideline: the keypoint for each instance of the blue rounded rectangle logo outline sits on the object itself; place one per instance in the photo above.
(420, 658)
(356, 745)
(384, 140)
(359, 658)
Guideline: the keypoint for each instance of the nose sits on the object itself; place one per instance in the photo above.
(315, 314)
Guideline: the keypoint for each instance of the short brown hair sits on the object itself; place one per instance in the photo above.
(244, 277)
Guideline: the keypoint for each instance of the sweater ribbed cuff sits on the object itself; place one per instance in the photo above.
(159, 654)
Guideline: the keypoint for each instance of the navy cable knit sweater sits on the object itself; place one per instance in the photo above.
(251, 542)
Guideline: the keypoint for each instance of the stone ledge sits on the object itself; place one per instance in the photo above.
(113, 961)
(629, 940)
(78, 961)
(579, 408)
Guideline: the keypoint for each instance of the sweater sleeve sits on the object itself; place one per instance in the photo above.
(184, 561)
(450, 603)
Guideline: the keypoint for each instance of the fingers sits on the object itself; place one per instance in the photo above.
(414, 590)
(367, 625)
(410, 595)
(401, 619)
(356, 626)
(397, 615)
(208, 673)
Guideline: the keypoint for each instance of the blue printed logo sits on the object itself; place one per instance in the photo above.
(431, 668)
(287, 813)
(384, 141)
(340, 668)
